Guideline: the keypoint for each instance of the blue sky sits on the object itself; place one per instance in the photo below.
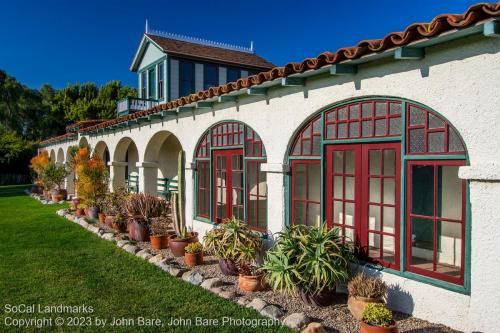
(61, 42)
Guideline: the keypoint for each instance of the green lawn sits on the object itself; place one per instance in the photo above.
(47, 260)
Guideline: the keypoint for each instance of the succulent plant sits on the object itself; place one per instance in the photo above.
(377, 314)
(194, 248)
(367, 286)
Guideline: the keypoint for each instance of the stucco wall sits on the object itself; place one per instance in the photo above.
(459, 80)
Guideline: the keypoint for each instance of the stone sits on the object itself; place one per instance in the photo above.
(296, 320)
(62, 212)
(93, 229)
(108, 236)
(242, 301)
(314, 328)
(227, 294)
(216, 290)
(193, 277)
(130, 248)
(156, 259)
(257, 304)
(212, 283)
(69, 217)
(144, 254)
(174, 271)
(272, 311)
(122, 243)
(83, 223)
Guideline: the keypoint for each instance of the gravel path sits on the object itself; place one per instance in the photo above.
(335, 318)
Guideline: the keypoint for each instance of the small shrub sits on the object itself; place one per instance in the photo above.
(367, 286)
(143, 207)
(377, 314)
(247, 269)
(194, 248)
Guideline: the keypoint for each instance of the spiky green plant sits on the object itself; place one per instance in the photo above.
(308, 257)
(233, 240)
(367, 286)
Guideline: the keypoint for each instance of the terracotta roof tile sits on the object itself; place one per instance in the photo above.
(58, 138)
(199, 51)
(414, 32)
(84, 123)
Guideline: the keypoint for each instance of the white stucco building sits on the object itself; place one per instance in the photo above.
(396, 141)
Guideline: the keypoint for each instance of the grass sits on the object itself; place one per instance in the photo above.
(50, 261)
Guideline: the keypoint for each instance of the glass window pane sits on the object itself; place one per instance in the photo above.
(299, 181)
(373, 245)
(252, 178)
(380, 109)
(380, 127)
(375, 161)
(454, 142)
(395, 126)
(449, 193)
(349, 213)
(314, 182)
(317, 126)
(349, 188)
(299, 212)
(306, 147)
(422, 192)
(435, 122)
(388, 247)
(449, 248)
(389, 191)
(374, 218)
(389, 162)
(366, 109)
(354, 129)
(367, 128)
(417, 116)
(316, 148)
(330, 131)
(349, 234)
(337, 187)
(313, 214)
(342, 113)
(337, 212)
(338, 161)
(417, 143)
(350, 161)
(330, 116)
(436, 141)
(395, 108)
(374, 189)
(389, 219)
(354, 111)
(422, 243)
(342, 128)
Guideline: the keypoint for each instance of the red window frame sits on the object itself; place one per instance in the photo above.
(361, 196)
(227, 154)
(308, 134)
(203, 149)
(253, 144)
(435, 219)
(257, 195)
(307, 201)
(227, 134)
(203, 188)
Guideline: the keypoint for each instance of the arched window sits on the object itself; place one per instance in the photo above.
(385, 171)
(228, 177)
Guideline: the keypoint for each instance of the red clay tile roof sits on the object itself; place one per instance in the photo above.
(58, 138)
(84, 123)
(218, 54)
(414, 32)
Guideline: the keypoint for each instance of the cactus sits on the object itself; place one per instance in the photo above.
(179, 200)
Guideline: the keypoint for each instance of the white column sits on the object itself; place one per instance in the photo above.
(116, 174)
(148, 175)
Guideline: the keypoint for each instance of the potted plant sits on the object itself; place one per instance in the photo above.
(193, 255)
(55, 175)
(182, 237)
(232, 242)
(364, 290)
(251, 277)
(113, 207)
(159, 231)
(310, 261)
(38, 164)
(377, 318)
(80, 209)
(141, 208)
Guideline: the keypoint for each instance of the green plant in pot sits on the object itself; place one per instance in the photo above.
(232, 242)
(141, 209)
(251, 277)
(364, 290)
(182, 237)
(310, 261)
(377, 318)
(114, 208)
(193, 254)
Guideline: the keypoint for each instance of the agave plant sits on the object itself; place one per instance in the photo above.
(309, 258)
(233, 240)
(143, 207)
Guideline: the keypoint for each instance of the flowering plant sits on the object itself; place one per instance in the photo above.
(92, 177)
(39, 164)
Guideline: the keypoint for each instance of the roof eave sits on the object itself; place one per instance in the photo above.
(134, 66)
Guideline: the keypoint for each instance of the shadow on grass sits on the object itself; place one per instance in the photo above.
(13, 190)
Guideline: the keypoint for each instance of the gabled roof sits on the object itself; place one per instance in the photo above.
(181, 48)
(440, 25)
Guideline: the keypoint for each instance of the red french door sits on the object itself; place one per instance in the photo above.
(228, 184)
(363, 197)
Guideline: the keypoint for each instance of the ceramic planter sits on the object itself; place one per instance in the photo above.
(102, 218)
(138, 231)
(193, 259)
(177, 245)
(323, 298)
(79, 212)
(357, 305)
(251, 283)
(156, 242)
(93, 211)
(365, 328)
(228, 267)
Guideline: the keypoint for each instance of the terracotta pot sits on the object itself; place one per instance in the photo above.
(138, 231)
(79, 212)
(47, 194)
(251, 283)
(93, 211)
(228, 267)
(357, 305)
(102, 218)
(63, 192)
(86, 211)
(109, 220)
(323, 298)
(193, 259)
(120, 227)
(156, 242)
(365, 328)
(166, 239)
(177, 245)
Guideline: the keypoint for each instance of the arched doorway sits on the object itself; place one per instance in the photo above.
(125, 171)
